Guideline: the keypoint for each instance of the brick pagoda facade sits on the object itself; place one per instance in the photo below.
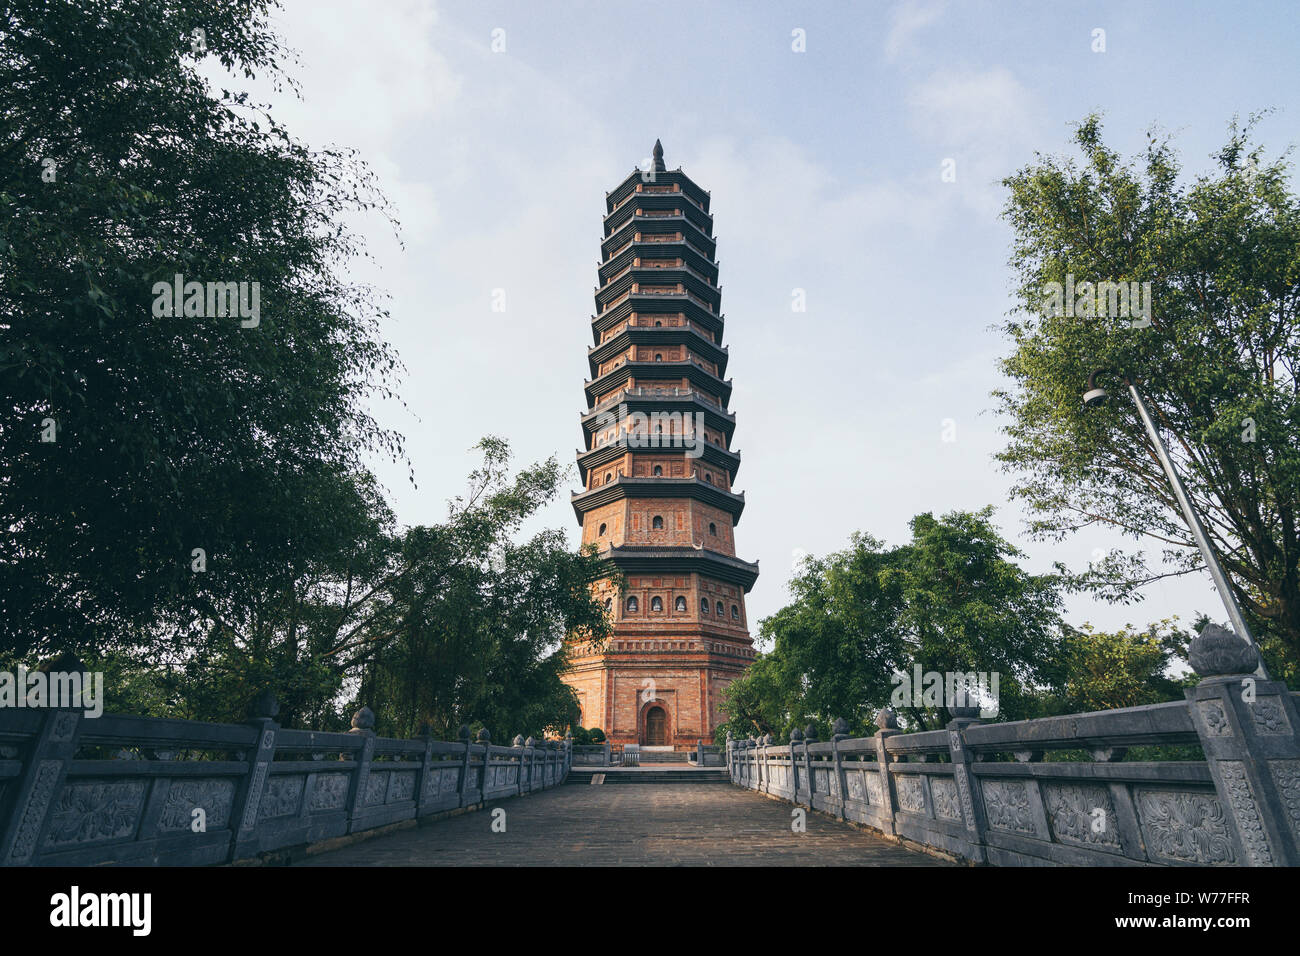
(658, 473)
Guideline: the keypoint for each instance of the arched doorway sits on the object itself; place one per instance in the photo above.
(656, 727)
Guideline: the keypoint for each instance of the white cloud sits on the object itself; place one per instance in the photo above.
(973, 107)
(985, 120)
(907, 20)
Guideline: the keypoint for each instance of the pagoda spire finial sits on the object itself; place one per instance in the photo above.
(659, 157)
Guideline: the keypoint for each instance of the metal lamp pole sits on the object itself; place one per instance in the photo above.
(1095, 396)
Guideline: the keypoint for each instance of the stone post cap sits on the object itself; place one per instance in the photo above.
(840, 728)
(463, 733)
(484, 737)
(810, 733)
(887, 719)
(531, 742)
(796, 735)
(518, 741)
(1217, 650)
(363, 719)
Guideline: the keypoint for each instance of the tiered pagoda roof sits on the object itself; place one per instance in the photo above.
(657, 350)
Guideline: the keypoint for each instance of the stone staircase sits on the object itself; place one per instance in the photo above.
(664, 756)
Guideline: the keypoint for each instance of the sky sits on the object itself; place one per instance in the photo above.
(495, 129)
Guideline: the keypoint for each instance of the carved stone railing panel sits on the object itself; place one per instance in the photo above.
(985, 793)
(144, 791)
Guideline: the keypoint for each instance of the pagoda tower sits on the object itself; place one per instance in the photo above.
(658, 473)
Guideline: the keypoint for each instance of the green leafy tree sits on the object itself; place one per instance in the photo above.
(244, 436)
(762, 702)
(952, 600)
(120, 168)
(1100, 670)
(450, 624)
(1217, 356)
(472, 625)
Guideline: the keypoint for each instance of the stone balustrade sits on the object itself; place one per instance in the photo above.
(591, 755)
(607, 755)
(708, 755)
(984, 793)
(145, 791)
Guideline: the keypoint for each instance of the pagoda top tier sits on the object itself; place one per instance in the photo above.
(657, 175)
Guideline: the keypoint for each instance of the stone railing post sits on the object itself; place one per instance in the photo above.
(485, 775)
(699, 752)
(968, 789)
(363, 725)
(248, 795)
(1250, 733)
(607, 757)
(44, 770)
(887, 726)
(730, 773)
(525, 767)
(809, 737)
(796, 738)
(426, 769)
(466, 767)
(839, 731)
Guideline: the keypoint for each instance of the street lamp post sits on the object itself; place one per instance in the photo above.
(1096, 396)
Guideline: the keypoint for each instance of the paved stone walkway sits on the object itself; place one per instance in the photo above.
(630, 825)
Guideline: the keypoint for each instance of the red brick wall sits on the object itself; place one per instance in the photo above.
(612, 516)
(689, 657)
(617, 692)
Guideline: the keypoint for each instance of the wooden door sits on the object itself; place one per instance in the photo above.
(656, 727)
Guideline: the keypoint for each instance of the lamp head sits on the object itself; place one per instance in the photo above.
(1095, 395)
